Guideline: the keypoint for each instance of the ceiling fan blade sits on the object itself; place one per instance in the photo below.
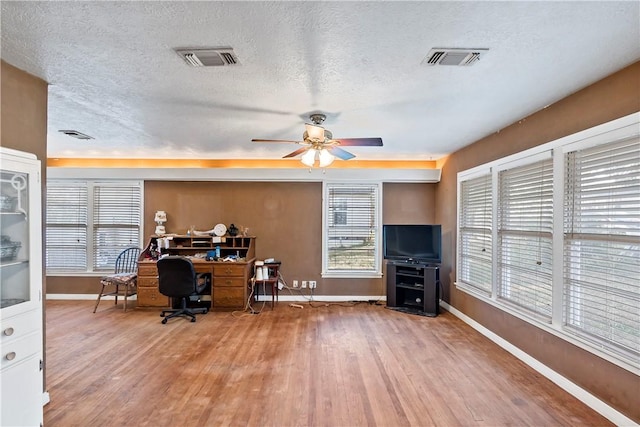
(314, 131)
(340, 153)
(275, 140)
(295, 153)
(373, 142)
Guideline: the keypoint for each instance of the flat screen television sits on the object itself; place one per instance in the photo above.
(412, 243)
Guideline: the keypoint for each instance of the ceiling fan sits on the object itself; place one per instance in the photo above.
(318, 144)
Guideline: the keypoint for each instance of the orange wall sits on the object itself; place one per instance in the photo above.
(611, 98)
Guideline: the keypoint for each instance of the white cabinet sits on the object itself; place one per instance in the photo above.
(21, 328)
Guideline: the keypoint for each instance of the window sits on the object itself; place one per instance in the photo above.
(474, 238)
(351, 230)
(88, 223)
(602, 244)
(525, 223)
(565, 222)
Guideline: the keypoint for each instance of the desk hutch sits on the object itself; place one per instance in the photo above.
(229, 279)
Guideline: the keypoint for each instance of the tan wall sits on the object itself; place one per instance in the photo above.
(285, 217)
(23, 121)
(23, 126)
(613, 97)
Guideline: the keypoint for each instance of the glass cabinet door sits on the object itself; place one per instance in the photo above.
(15, 280)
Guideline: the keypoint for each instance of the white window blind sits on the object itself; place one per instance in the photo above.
(475, 243)
(525, 226)
(116, 221)
(89, 223)
(602, 245)
(67, 222)
(351, 228)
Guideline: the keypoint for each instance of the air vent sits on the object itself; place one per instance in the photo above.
(454, 56)
(75, 134)
(211, 57)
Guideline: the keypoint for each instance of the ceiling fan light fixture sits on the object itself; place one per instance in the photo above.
(325, 158)
(309, 158)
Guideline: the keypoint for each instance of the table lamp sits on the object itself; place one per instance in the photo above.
(161, 217)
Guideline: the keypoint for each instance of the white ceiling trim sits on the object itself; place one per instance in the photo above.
(254, 174)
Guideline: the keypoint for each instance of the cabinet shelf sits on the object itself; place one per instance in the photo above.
(408, 286)
(401, 274)
(13, 262)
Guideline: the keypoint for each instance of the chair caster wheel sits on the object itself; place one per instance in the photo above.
(161, 314)
(164, 321)
(206, 310)
(193, 320)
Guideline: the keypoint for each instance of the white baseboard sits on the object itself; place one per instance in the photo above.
(576, 391)
(284, 298)
(86, 297)
(323, 298)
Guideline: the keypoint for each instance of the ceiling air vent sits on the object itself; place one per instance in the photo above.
(454, 56)
(75, 134)
(210, 57)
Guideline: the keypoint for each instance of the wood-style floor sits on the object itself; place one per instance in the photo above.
(328, 366)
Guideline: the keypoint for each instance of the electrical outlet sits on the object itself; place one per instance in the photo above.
(312, 284)
(304, 284)
(295, 283)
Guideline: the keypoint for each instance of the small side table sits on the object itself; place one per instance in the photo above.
(273, 279)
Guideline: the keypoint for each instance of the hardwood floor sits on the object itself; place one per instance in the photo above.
(327, 366)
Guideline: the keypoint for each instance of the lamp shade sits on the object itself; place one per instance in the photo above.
(161, 216)
(309, 157)
(325, 158)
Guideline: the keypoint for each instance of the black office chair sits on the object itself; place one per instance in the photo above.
(123, 280)
(178, 279)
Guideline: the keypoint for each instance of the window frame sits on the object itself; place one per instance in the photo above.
(610, 132)
(91, 184)
(376, 271)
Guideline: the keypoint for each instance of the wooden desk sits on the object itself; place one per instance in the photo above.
(228, 283)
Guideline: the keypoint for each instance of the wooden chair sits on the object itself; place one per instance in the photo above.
(123, 280)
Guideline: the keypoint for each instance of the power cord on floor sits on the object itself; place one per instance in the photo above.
(248, 308)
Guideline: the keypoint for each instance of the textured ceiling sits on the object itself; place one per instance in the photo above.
(114, 75)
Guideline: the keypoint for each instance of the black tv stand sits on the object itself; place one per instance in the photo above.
(413, 287)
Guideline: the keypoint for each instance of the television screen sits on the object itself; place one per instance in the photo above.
(412, 242)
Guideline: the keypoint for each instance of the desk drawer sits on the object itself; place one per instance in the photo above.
(151, 297)
(228, 270)
(235, 282)
(225, 298)
(147, 282)
(147, 269)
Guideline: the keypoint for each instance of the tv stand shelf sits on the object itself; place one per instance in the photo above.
(413, 288)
